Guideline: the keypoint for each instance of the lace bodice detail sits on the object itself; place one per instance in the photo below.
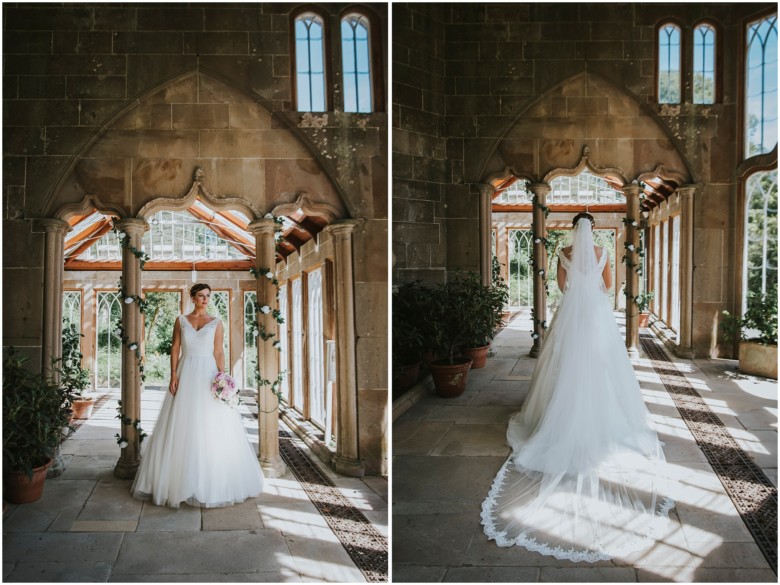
(197, 342)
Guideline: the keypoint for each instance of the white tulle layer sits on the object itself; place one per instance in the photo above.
(199, 452)
(583, 477)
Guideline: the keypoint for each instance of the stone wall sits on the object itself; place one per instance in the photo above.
(123, 102)
(527, 86)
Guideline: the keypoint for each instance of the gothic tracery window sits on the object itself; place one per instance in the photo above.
(704, 64)
(669, 64)
(761, 86)
(356, 63)
(760, 250)
(310, 63)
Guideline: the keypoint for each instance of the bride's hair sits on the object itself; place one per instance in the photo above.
(196, 288)
(581, 215)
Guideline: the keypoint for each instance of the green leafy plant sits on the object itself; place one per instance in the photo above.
(73, 378)
(759, 323)
(412, 332)
(34, 413)
(643, 300)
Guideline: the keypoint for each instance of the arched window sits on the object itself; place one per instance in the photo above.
(704, 64)
(310, 63)
(669, 64)
(761, 86)
(356, 63)
(760, 250)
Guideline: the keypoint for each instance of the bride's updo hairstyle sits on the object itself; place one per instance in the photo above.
(196, 288)
(583, 215)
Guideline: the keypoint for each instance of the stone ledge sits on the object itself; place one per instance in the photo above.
(412, 396)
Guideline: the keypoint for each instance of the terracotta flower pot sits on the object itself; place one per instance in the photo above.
(450, 380)
(644, 318)
(478, 355)
(757, 359)
(406, 377)
(20, 489)
(82, 408)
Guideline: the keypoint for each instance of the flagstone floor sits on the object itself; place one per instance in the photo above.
(87, 528)
(446, 452)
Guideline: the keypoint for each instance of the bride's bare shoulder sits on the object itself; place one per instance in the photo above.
(567, 250)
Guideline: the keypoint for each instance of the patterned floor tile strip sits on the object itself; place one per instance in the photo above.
(753, 494)
(364, 544)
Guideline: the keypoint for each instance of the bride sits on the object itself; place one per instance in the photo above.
(199, 452)
(581, 482)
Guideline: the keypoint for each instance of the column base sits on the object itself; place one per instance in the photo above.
(633, 352)
(126, 469)
(535, 351)
(272, 468)
(57, 468)
(348, 466)
(684, 352)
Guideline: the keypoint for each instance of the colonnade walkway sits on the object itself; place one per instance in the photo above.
(722, 454)
(309, 526)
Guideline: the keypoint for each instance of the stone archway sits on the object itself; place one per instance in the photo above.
(586, 119)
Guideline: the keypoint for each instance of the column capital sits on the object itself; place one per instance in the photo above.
(631, 190)
(343, 227)
(132, 225)
(52, 224)
(539, 189)
(264, 225)
(688, 190)
(485, 189)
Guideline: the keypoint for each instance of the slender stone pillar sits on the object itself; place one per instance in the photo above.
(540, 191)
(632, 278)
(53, 276)
(347, 457)
(685, 335)
(486, 231)
(132, 323)
(271, 461)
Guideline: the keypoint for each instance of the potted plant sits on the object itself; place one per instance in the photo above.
(448, 312)
(34, 412)
(643, 303)
(409, 302)
(485, 310)
(756, 332)
(73, 378)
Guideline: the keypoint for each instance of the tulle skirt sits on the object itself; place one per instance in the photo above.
(583, 478)
(199, 452)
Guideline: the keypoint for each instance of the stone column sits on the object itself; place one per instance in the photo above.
(132, 323)
(685, 335)
(632, 278)
(271, 461)
(486, 230)
(539, 227)
(347, 457)
(53, 276)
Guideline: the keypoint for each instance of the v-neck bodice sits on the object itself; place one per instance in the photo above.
(197, 342)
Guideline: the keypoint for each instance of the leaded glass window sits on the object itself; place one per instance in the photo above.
(356, 63)
(250, 340)
(220, 307)
(108, 371)
(310, 63)
(664, 272)
(669, 64)
(657, 269)
(674, 320)
(71, 309)
(761, 87)
(316, 347)
(584, 188)
(521, 285)
(284, 347)
(760, 254)
(297, 344)
(516, 194)
(704, 64)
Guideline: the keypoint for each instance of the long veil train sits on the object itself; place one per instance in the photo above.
(582, 480)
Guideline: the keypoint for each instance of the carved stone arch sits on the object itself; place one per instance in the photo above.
(199, 191)
(87, 205)
(308, 207)
(617, 176)
(73, 182)
(496, 180)
(538, 142)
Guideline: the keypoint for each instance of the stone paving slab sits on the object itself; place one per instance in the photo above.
(492, 574)
(171, 553)
(498, 415)
(445, 479)
(98, 468)
(473, 440)
(587, 575)
(104, 526)
(163, 519)
(706, 575)
(417, 574)
(111, 500)
(282, 576)
(243, 516)
(418, 437)
(62, 546)
(432, 539)
(65, 572)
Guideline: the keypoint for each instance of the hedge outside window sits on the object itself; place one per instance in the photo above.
(669, 60)
(704, 64)
(310, 63)
(760, 253)
(761, 87)
(356, 60)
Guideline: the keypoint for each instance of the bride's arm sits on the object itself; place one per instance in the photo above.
(175, 349)
(607, 272)
(561, 276)
(219, 352)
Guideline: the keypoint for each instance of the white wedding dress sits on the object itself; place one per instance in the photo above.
(583, 478)
(199, 452)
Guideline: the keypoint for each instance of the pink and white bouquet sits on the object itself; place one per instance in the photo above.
(224, 388)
